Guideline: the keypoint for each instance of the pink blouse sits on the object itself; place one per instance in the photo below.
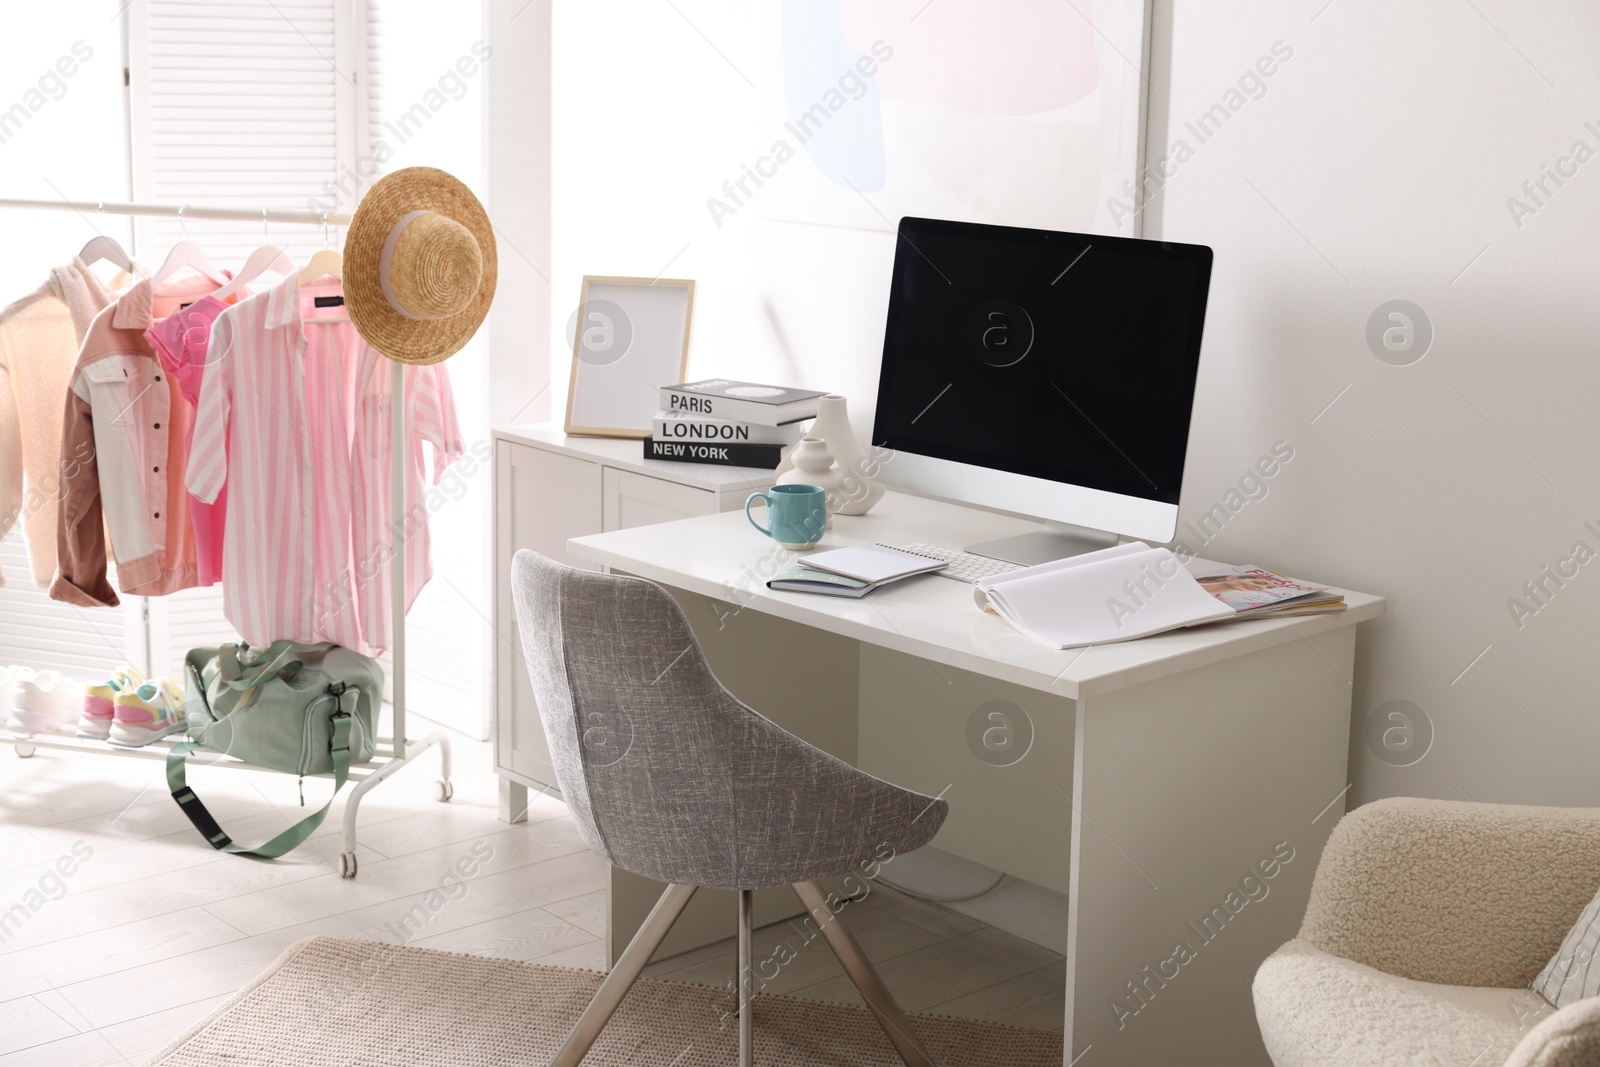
(180, 342)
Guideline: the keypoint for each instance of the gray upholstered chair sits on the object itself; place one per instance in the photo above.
(671, 777)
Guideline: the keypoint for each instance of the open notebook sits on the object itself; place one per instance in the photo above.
(1134, 590)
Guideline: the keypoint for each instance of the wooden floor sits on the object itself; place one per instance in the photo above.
(152, 929)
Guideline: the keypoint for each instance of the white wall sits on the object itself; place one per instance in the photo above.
(517, 194)
(1391, 142)
(1374, 165)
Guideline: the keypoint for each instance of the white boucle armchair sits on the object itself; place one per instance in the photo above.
(1427, 921)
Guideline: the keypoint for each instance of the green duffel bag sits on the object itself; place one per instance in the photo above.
(298, 708)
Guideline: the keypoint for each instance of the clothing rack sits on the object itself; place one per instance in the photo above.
(183, 211)
(401, 750)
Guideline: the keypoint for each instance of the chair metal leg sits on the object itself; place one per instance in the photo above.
(747, 1015)
(623, 975)
(864, 976)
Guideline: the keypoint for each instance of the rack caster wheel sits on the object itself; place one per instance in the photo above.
(25, 751)
(347, 865)
(443, 790)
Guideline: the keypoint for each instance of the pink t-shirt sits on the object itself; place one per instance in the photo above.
(180, 342)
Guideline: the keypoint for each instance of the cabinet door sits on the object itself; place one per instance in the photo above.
(639, 500)
(548, 498)
(542, 498)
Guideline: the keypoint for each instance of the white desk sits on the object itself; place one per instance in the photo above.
(1159, 773)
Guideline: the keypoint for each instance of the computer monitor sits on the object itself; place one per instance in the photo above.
(1046, 373)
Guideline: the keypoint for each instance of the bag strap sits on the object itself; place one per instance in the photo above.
(211, 830)
(239, 681)
(276, 657)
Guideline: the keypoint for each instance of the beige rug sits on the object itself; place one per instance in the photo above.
(327, 1002)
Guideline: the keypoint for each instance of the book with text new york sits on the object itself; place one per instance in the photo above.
(759, 457)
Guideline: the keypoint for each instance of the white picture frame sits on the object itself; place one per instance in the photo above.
(631, 339)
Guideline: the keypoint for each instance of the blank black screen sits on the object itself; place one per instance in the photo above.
(1064, 356)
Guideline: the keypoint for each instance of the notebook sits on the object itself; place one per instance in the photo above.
(800, 579)
(873, 563)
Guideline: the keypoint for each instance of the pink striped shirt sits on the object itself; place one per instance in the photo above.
(294, 419)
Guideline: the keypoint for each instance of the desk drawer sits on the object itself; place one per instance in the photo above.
(629, 499)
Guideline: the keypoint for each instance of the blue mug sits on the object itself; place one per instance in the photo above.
(797, 515)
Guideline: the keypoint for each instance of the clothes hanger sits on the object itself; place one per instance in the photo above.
(327, 262)
(106, 248)
(267, 257)
(187, 254)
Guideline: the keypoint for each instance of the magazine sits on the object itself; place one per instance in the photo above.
(1256, 592)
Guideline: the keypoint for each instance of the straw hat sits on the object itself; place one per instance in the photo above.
(419, 265)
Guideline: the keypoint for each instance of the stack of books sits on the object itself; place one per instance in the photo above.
(739, 424)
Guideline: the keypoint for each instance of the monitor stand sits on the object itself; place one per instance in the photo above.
(1053, 541)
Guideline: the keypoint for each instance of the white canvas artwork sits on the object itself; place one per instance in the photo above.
(1014, 112)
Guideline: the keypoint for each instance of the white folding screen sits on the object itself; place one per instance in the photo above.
(380, 23)
(42, 633)
(246, 104)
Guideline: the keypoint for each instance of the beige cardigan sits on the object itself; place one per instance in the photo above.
(39, 339)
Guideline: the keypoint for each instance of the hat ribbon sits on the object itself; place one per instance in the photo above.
(388, 254)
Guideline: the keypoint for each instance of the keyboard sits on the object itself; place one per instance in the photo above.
(964, 566)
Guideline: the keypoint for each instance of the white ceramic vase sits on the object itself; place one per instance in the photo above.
(812, 464)
(858, 488)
